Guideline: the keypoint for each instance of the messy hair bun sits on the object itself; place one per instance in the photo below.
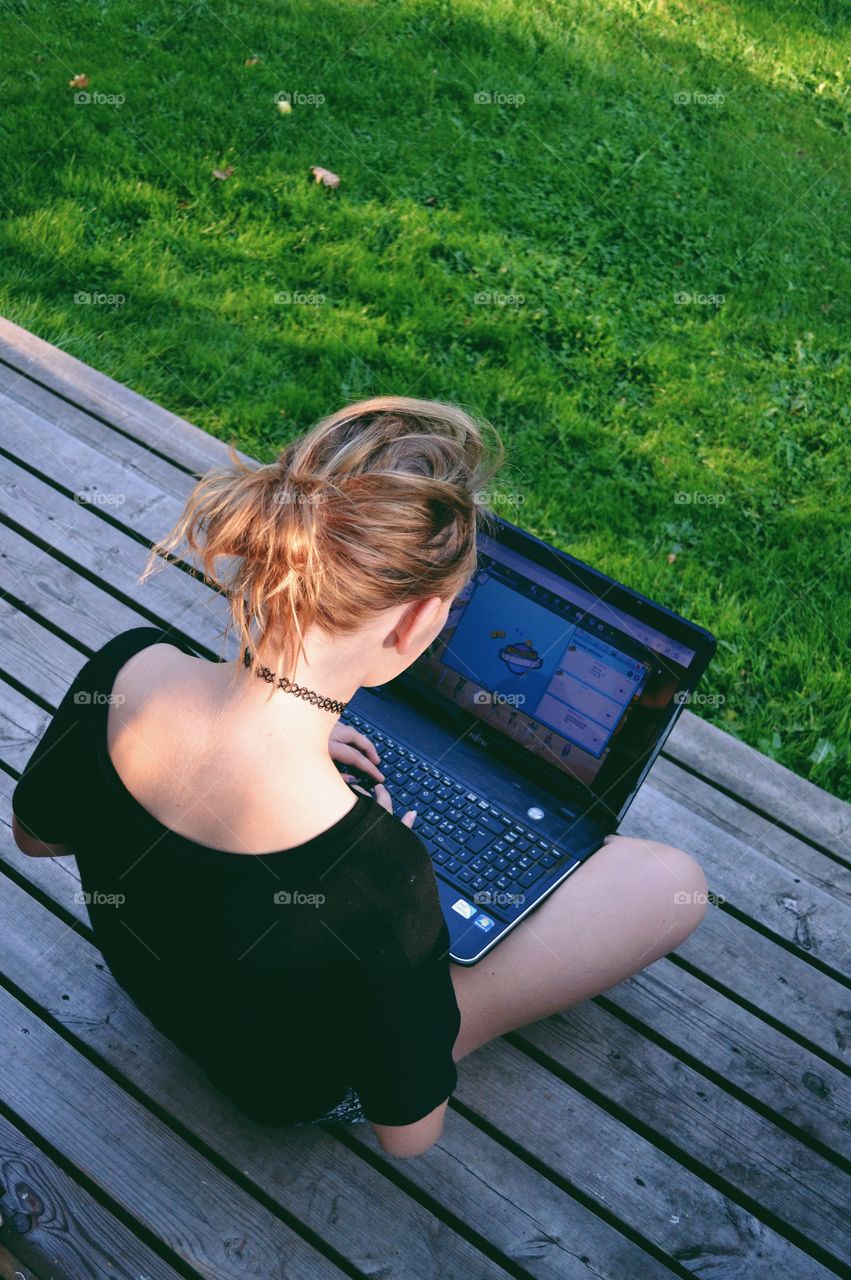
(377, 505)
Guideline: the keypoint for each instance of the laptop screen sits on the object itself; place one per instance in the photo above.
(559, 669)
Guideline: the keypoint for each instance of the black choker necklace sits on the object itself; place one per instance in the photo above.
(324, 704)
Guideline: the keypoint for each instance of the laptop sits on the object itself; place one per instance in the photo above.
(522, 734)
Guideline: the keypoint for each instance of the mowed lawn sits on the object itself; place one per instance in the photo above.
(619, 230)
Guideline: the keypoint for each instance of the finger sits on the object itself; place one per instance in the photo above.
(409, 817)
(346, 734)
(368, 748)
(352, 756)
(382, 795)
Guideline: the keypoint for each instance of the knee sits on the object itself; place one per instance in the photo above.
(674, 888)
(683, 888)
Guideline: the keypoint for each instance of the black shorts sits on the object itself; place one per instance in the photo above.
(347, 1111)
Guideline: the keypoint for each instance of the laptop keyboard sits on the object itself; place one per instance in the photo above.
(486, 854)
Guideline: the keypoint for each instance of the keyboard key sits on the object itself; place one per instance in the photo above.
(477, 841)
(447, 843)
(529, 877)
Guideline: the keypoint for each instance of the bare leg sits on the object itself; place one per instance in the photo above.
(630, 903)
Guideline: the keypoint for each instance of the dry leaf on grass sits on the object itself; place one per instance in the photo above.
(78, 82)
(223, 174)
(251, 62)
(325, 176)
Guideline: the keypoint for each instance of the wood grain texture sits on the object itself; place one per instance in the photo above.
(57, 1228)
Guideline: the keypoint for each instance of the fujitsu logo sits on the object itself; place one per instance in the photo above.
(480, 738)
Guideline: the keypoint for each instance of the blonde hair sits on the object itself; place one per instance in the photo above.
(376, 505)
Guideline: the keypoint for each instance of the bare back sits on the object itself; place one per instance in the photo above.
(211, 775)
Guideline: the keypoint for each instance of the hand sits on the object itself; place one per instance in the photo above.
(347, 746)
(382, 795)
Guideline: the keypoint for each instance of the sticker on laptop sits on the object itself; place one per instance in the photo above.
(484, 922)
(463, 908)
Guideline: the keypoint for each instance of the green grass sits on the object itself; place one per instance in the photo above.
(597, 201)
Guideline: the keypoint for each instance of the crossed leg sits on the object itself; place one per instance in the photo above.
(630, 903)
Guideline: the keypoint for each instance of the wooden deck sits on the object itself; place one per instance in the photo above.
(694, 1121)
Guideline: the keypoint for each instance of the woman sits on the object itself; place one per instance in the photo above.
(280, 926)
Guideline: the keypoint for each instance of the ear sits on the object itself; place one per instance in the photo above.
(419, 621)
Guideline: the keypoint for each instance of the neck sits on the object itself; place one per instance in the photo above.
(280, 718)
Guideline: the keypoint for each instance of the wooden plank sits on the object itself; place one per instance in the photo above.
(140, 1164)
(718, 1036)
(592, 1149)
(80, 607)
(56, 414)
(756, 1161)
(574, 1139)
(761, 783)
(789, 906)
(57, 1228)
(534, 1223)
(774, 983)
(139, 418)
(12, 1268)
(121, 491)
(759, 833)
(368, 1220)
